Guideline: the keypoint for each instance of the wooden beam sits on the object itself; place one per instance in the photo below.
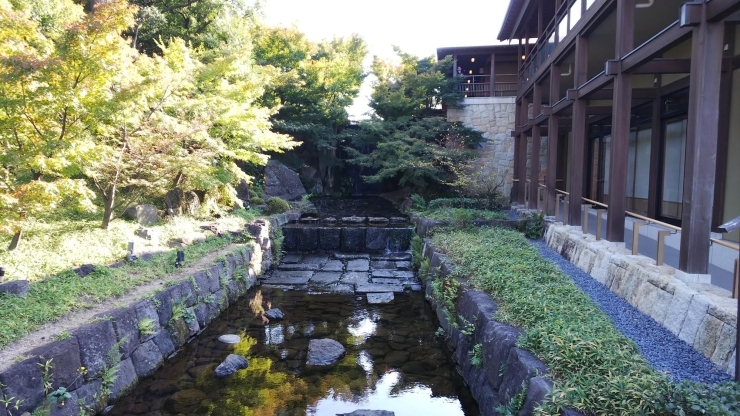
(493, 73)
(637, 94)
(720, 9)
(664, 66)
(665, 39)
(701, 145)
(594, 84)
(560, 106)
(552, 142)
(601, 110)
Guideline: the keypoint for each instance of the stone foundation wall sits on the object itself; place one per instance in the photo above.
(346, 239)
(700, 314)
(200, 298)
(494, 118)
(506, 368)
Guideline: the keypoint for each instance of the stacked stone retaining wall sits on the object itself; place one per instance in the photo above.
(702, 315)
(198, 299)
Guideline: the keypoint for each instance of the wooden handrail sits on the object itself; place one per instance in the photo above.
(591, 201)
(562, 192)
(649, 220)
(725, 244)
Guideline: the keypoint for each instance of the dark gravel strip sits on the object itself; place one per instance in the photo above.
(663, 350)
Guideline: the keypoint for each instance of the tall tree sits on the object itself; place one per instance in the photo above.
(413, 144)
(58, 67)
(316, 82)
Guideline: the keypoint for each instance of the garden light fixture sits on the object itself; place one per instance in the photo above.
(180, 258)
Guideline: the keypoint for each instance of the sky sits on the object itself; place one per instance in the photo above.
(416, 26)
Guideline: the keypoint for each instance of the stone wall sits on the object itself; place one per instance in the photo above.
(702, 315)
(494, 117)
(506, 369)
(351, 239)
(198, 299)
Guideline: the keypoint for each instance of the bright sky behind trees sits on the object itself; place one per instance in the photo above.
(418, 27)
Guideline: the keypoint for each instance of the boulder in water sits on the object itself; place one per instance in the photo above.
(231, 365)
(274, 314)
(323, 352)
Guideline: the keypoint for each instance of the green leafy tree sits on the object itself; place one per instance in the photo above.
(58, 68)
(413, 145)
(315, 83)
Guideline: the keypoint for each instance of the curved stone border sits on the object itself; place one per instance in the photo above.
(506, 369)
(200, 298)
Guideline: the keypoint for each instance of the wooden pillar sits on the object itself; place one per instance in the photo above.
(621, 110)
(552, 141)
(522, 147)
(701, 144)
(454, 66)
(515, 186)
(493, 74)
(578, 151)
(654, 159)
(540, 20)
(535, 168)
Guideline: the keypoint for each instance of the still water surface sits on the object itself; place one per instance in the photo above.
(394, 362)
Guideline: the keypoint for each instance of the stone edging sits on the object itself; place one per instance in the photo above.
(203, 296)
(506, 369)
(695, 313)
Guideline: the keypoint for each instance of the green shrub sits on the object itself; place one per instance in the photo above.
(417, 202)
(474, 203)
(255, 200)
(463, 217)
(533, 226)
(564, 328)
(417, 248)
(276, 205)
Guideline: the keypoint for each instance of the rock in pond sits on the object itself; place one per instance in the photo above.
(229, 338)
(324, 351)
(231, 365)
(274, 314)
(376, 298)
(365, 412)
(184, 401)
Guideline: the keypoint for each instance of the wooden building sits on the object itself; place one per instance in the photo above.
(640, 103)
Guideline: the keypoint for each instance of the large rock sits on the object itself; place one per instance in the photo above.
(274, 314)
(144, 214)
(16, 287)
(147, 358)
(243, 193)
(231, 365)
(173, 201)
(191, 204)
(322, 352)
(282, 182)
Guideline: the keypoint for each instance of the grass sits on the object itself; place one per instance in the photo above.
(594, 367)
(49, 251)
(445, 214)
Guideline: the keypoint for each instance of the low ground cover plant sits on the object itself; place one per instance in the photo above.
(594, 367)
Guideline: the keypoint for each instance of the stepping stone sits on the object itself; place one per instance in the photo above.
(353, 220)
(404, 275)
(393, 257)
(322, 352)
(342, 289)
(351, 256)
(230, 338)
(386, 280)
(378, 288)
(354, 278)
(288, 280)
(396, 274)
(383, 264)
(384, 273)
(325, 278)
(333, 266)
(291, 258)
(291, 273)
(299, 266)
(403, 265)
(377, 298)
(315, 259)
(358, 265)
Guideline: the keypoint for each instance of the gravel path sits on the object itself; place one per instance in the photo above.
(663, 350)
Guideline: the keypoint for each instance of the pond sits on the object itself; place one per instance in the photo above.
(393, 362)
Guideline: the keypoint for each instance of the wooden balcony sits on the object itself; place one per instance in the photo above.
(480, 86)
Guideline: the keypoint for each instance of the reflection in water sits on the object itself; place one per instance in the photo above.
(392, 362)
(411, 401)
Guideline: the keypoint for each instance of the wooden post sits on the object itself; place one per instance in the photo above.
(661, 247)
(584, 228)
(552, 141)
(621, 110)
(701, 144)
(636, 236)
(599, 213)
(493, 75)
(578, 152)
(522, 165)
(534, 171)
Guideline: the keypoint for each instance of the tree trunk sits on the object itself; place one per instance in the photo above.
(16, 240)
(110, 199)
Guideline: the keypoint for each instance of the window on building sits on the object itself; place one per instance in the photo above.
(674, 158)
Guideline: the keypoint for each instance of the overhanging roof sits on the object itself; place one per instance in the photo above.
(521, 18)
(516, 7)
(477, 50)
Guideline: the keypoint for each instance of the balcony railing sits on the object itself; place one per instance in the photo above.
(480, 86)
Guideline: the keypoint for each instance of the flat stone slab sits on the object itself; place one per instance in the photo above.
(333, 266)
(393, 257)
(288, 280)
(292, 273)
(403, 265)
(383, 264)
(378, 288)
(358, 265)
(351, 256)
(299, 266)
(292, 258)
(377, 298)
(315, 259)
(354, 278)
(325, 278)
(405, 275)
(387, 281)
(353, 220)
